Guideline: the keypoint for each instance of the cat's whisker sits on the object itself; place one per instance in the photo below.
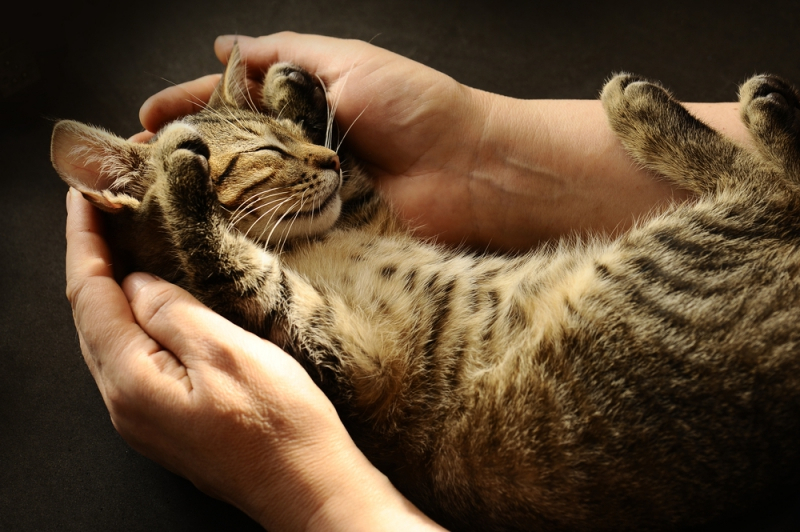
(254, 208)
(278, 222)
(267, 207)
(328, 114)
(243, 210)
(294, 219)
(248, 98)
(271, 213)
(332, 110)
(287, 231)
(351, 127)
(247, 206)
(202, 104)
(278, 117)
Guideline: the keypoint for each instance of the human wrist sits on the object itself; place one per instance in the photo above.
(327, 484)
(517, 173)
(338, 489)
(363, 499)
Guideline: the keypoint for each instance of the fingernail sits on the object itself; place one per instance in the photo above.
(136, 281)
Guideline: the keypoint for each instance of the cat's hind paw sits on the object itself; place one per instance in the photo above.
(772, 96)
(770, 108)
(628, 98)
(659, 133)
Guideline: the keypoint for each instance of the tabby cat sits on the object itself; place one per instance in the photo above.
(643, 382)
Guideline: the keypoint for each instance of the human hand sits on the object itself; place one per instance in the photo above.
(227, 410)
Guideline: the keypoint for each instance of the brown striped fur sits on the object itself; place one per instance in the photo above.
(642, 382)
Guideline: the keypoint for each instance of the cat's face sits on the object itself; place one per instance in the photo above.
(271, 181)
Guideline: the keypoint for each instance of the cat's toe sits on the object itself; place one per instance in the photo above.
(767, 98)
(620, 82)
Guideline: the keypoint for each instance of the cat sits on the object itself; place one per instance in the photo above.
(646, 381)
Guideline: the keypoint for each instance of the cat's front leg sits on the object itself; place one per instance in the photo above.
(222, 268)
(661, 134)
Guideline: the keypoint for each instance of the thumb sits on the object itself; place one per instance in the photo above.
(175, 319)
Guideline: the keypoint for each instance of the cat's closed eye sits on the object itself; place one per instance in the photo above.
(274, 149)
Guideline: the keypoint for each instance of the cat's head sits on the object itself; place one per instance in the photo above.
(271, 180)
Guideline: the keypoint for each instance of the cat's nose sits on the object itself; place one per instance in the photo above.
(329, 162)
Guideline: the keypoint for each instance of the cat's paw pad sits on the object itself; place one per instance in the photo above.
(767, 99)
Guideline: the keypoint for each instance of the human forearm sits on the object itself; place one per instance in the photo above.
(547, 168)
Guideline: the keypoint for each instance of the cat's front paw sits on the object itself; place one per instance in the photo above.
(183, 156)
(181, 145)
(769, 100)
(293, 94)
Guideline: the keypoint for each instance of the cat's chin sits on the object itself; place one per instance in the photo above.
(306, 223)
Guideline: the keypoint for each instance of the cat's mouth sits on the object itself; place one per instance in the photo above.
(318, 208)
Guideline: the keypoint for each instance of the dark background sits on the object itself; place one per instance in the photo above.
(62, 465)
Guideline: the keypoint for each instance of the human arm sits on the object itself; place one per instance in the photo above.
(458, 163)
(227, 410)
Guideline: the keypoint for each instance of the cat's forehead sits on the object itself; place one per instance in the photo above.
(240, 128)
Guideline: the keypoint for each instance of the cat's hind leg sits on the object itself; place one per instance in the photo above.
(662, 135)
(293, 94)
(770, 108)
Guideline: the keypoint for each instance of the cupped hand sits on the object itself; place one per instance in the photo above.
(227, 410)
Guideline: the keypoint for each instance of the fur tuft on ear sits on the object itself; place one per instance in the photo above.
(108, 170)
(232, 88)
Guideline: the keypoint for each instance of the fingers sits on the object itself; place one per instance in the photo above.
(106, 326)
(307, 51)
(330, 58)
(174, 318)
(197, 336)
(142, 136)
(176, 101)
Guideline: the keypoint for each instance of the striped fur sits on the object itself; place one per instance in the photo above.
(645, 382)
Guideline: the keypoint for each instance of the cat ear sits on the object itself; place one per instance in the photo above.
(232, 88)
(98, 164)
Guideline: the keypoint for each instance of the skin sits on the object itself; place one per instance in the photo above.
(240, 418)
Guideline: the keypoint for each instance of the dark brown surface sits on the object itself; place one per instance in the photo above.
(62, 466)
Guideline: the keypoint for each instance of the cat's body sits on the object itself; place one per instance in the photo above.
(632, 383)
